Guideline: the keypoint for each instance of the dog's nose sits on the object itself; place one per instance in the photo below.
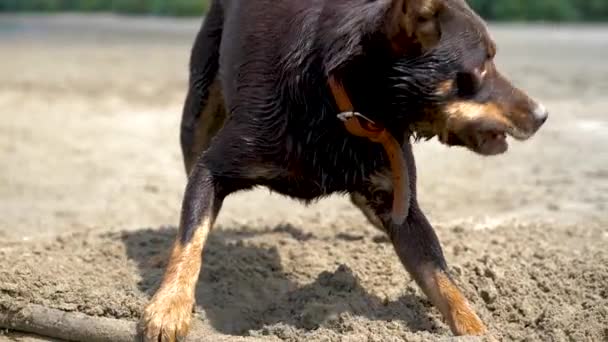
(541, 114)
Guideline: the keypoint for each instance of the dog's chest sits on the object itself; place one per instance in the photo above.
(330, 164)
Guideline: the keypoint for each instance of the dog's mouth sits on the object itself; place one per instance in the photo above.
(485, 141)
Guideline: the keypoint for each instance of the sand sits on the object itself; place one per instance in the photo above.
(92, 178)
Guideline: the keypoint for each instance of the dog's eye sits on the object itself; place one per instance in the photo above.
(467, 84)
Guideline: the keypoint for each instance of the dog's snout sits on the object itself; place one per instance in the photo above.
(541, 114)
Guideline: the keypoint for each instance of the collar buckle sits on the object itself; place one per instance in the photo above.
(345, 116)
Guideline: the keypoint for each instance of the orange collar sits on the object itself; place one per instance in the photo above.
(360, 126)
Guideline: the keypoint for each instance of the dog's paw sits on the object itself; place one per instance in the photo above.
(166, 318)
(464, 322)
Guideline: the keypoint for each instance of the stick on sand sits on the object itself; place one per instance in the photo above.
(75, 326)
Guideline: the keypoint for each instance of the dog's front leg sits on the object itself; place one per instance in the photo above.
(167, 316)
(418, 248)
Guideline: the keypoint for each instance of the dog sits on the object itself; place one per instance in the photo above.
(312, 98)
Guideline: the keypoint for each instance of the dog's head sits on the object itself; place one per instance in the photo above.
(431, 64)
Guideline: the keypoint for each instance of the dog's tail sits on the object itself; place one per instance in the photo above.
(204, 64)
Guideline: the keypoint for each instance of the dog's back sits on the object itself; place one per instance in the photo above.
(263, 62)
(204, 111)
(248, 56)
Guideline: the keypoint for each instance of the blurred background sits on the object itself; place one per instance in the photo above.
(156, 7)
(550, 10)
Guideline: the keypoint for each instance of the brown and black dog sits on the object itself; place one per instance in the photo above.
(268, 79)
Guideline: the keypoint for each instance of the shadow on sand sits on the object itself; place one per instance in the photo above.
(244, 287)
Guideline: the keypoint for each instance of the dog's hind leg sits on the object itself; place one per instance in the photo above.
(419, 250)
(167, 316)
(204, 111)
(197, 131)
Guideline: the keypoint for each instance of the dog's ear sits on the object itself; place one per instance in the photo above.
(414, 25)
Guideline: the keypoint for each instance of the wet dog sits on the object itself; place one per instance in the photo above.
(311, 98)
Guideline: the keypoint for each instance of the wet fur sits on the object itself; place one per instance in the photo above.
(259, 112)
(282, 116)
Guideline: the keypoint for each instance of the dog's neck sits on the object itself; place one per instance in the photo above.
(360, 126)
